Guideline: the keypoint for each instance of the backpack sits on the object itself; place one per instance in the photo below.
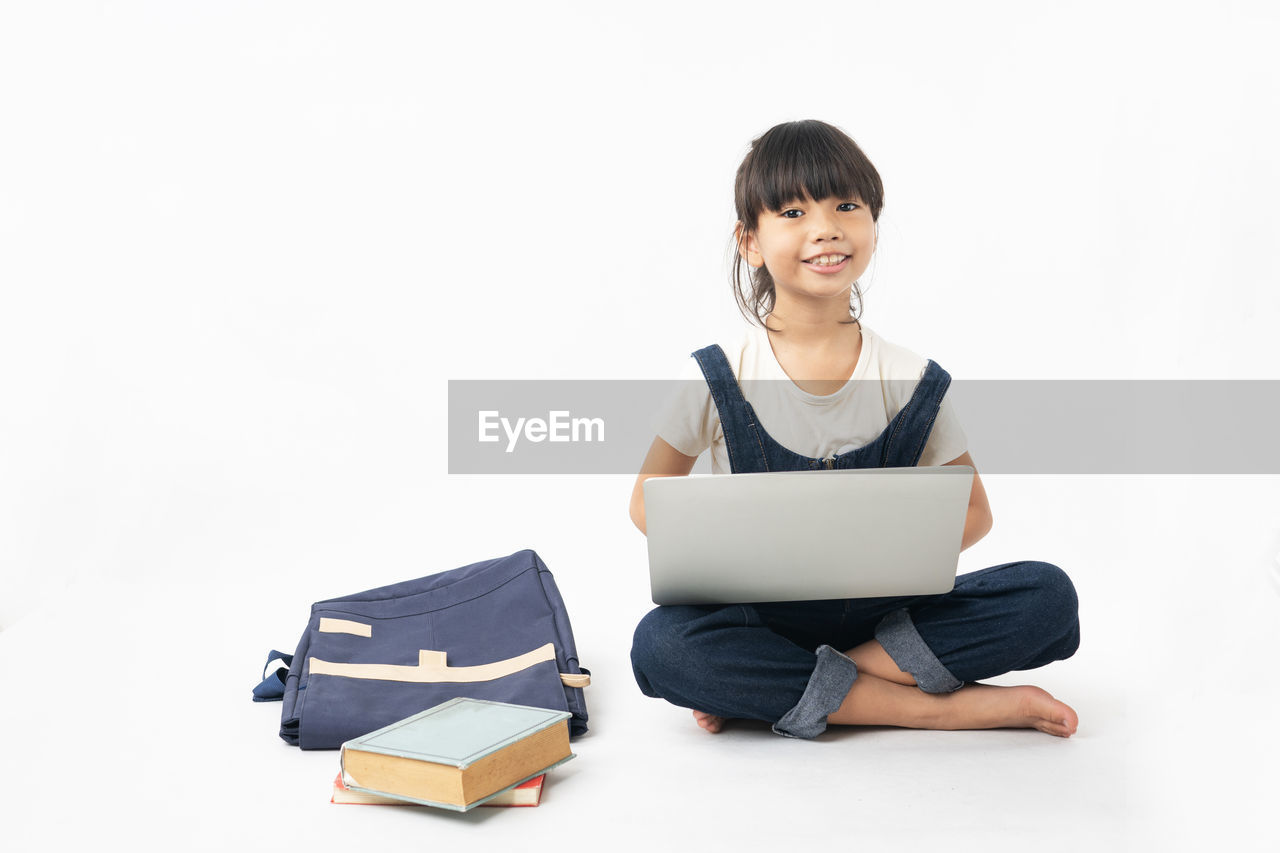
(494, 630)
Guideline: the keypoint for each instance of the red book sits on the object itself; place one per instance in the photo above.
(526, 794)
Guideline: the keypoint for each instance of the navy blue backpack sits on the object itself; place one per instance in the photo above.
(491, 630)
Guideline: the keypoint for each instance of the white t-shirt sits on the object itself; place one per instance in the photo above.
(811, 425)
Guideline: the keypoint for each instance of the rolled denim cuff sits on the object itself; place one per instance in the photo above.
(898, 634)
(832, 677)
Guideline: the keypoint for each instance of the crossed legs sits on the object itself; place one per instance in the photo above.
(727, 663)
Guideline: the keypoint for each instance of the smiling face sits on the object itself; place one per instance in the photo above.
(814, 250)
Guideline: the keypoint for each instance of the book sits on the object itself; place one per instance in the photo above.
(457, 755)
(527, 794)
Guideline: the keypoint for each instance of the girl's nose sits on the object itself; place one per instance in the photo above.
(825, 227)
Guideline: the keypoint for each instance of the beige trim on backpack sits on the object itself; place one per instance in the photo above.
(432, 668)
(344, 626)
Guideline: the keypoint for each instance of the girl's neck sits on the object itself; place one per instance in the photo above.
(818, 351)
(813, 326)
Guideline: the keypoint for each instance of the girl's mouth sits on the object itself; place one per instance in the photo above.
(822, 263)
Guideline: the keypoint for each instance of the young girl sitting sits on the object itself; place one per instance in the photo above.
(808, 201)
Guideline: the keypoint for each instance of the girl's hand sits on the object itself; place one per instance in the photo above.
(663, 460)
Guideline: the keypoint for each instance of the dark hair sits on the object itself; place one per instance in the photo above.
(790, 161)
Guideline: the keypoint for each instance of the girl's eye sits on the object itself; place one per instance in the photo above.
(849, 206)
(787, 213)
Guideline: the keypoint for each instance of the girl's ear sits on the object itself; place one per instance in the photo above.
(747, 246)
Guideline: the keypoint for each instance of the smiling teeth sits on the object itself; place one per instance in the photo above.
(826, 260)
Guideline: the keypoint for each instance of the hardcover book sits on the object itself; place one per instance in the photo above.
(457, 755)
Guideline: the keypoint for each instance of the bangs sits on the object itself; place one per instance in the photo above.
(805, 158)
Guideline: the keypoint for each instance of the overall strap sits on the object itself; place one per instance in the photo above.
(736, 417)
(910, 429)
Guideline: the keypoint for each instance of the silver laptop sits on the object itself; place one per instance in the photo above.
(805, 535)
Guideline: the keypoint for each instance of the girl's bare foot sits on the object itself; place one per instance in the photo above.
(710, 722)
(874, 701)
(986, 706)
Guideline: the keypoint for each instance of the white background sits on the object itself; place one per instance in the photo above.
(244, 246)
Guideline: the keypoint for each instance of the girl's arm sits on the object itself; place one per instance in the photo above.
(977, 521)
(663, 460)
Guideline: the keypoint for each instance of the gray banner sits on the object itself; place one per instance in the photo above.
(1013, 426)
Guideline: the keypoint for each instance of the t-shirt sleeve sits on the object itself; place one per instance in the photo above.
(688, 421)
(947, 440)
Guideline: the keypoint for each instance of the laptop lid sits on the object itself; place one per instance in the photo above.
(805, 535)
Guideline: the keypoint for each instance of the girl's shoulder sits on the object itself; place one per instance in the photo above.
(896, 367)
(890, 361)
(749, 355)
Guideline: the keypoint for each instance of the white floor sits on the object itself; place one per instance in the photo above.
(126, 713)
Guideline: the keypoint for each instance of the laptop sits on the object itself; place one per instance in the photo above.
(805, 535)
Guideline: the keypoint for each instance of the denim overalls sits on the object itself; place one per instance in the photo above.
(782, 661)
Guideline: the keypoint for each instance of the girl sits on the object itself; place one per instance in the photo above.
(808, 201)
